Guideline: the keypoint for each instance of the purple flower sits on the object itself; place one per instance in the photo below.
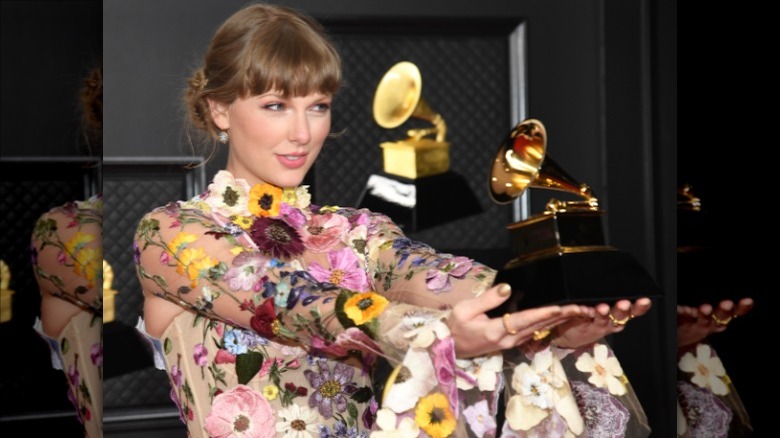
(97, 354)
(444, 364)
(73, 375)
(235, 342)
(200, 355)
(438, 278)
(176, 376)
(33, 254)
(177, 402)
(705, 413)
(276, 238)
(369, 415)
(330, 388)
(480, 419)
(603, 413)
(136, 253)
(292, 216)
(247, 271)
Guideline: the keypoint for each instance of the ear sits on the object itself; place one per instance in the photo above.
(219, 114)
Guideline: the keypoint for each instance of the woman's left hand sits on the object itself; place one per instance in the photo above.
(607, 320)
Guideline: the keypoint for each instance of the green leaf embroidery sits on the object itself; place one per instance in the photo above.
(167, 345)
(247, 365)
(352, 409)
(344, 295)
(362, 395)
(64, 346)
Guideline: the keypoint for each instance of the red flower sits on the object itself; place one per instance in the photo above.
(264, 319)
(276, 238)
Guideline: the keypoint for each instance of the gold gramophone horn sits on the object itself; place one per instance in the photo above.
(521, 162)
(398, 97)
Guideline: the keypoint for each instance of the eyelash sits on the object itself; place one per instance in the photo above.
(277, 106)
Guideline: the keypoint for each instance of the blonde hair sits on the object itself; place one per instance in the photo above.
(258, 49)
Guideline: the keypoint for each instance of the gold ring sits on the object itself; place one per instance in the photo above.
(505, 320)
(722, 322)
(541, 334)
(618, 322)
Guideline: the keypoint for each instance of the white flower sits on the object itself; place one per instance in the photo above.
(303, 197)
(541, 387)
(605, 371)
(484, 370)
(298, 421)
(414, 378)
(708, 371)
(386, 419)
(421, 327)
(228, 196)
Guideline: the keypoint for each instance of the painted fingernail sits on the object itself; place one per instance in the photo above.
(504, 290)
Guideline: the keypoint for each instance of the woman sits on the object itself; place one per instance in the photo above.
(269, 313)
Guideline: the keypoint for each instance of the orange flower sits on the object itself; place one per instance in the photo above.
(195, 263)
(265, 200)
(181, 240)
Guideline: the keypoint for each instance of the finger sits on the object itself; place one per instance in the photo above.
(490, 299)
(744, 306)
(640, 307)
(705, 315)
(522, 320)
(723, 314)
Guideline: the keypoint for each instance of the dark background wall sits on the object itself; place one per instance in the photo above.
(601, 75)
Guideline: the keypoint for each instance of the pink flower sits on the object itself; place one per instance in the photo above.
(164, 258)
(438, 278)
(292, 216)
(200, 355)
(223, 356)
(345, 271)
(323, 231)
(61, 259)
(73, 375)
(293, 364)
(480, 419)
(444, 364)
(176, 376)
(240, 412)
(266, 368)
(247, 271)
(328, 347)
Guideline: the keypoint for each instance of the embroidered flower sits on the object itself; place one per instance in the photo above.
(89, 264)
(223, 356)
(297, 422)
(181, 241)
(707, 369)
(706, 414)
(195, 263)
(228, 196)
(438, 278)
(603, 413)
(482, 370)
(541, 387)
(276, 238)
(176, 376)
(391, 428)
(434, 416)
(240, 412)
(479, 419)
(244, 222)
(323, 231)
(247, 271)
(264, 320)
(270, 391)
(292, 216)
(200, 355)
(340, 430)
(264, 200)
(345, 271)
(234, 342)
(97, 354)
(330, 389)
(78, 241)
(605, 370)
(362, 308)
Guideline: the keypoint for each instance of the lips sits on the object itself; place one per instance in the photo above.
(292, 161)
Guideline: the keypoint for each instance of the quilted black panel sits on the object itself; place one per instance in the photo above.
(131, 190)
(465, 78)
(28, 383)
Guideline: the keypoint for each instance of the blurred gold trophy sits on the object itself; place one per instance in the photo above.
(5, 292)
(416, 168)
(109, 293)
(561, 254)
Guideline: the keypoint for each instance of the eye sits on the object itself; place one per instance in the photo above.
(321, 107)
(276, 106)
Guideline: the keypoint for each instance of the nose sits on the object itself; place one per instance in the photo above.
(300, 132)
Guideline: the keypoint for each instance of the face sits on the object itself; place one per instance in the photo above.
(274, 139)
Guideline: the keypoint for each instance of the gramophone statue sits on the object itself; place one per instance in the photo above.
(416, 168)
(561, 254)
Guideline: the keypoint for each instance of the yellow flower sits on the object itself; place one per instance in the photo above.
(181, 240)
(329, 208)
(77, 242)
(89, 262)
(364, 307)
(434, 416)
(270, 392)
(195, 262)
(289, 196)
(265, 200)
(245, 222)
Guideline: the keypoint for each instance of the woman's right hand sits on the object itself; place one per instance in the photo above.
(696, 323)
(475, 333)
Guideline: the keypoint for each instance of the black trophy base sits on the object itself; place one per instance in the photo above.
(579, 277)
(417, 204)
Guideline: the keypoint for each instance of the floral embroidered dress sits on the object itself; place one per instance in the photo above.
(708, 405)
(67, 257)
(289, 306)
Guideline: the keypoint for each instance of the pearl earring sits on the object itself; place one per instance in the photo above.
(223, 137)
